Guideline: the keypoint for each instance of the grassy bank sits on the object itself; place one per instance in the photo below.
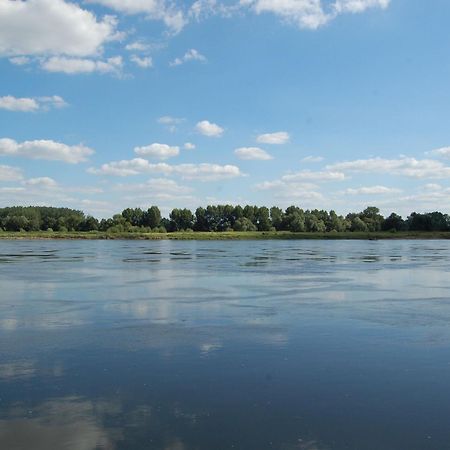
(234, 235)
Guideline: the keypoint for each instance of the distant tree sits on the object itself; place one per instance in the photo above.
(181, 219)
(152, 217)
(393, 222)
(276, 217)
(244, 224)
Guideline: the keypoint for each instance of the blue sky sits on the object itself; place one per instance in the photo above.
(335, 104)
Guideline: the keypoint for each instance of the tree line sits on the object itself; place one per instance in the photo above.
(218, 218)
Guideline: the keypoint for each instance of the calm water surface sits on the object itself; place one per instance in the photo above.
(306, 345)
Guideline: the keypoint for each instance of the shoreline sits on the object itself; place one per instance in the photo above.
(219, 236)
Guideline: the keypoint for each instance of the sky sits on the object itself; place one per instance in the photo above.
(328, 104)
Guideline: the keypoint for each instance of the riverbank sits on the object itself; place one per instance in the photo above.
(231, 235)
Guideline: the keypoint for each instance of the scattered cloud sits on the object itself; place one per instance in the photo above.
(189, 146)
(278, 138)
(358, 6)
(42, 182)
(190, 55)
(82, 65)
(208, 128)
(311, 14)
(20, 60)
(52, 27)
(303, 13)
(162, 10)
(170, 122)
(160, 189)
(138, 46)
(286, 192)
(372, 190)
(45, 149)
(8, 173)
(159, 151)
(26, 104)
(252, 153)
(144, 62)
(309, 175)
(136, 166)
(443, 152)
(312, 159)
(405, 166)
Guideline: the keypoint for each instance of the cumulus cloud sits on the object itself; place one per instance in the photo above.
(25, 104)
(278, 138)
(8, 173)
(372, 190)
(152, 9)
(82, 65)
(156, 150)
(252, 153)
(189, 146)
(45, 149)
(311, 14)
(143, 62)
(190, 55)
(136, 166)
(45, 27)
(409, 167)
(208, 128)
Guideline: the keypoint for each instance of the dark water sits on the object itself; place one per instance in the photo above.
(307, 345)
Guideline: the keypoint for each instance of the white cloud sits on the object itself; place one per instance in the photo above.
(312, 159)
(409, 167)
(311, 14)
(325, 175)
(25, 104)
(137, 46)
(42, 182)
(169, 120)
(20, 60)
(161, 189)
(189, 146)
(303, 13)
(144, 62)
(153, 9)
(43, 27)
(156, 150)
(372, 190)
(287, 192)
(252, 153)
(358, 6)
(208, 128)
(82, 65)
(18, 104)
(190, 55)
(278, 138)
(8, 173)
(443, 152)
(45, 149)
(136, 166)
